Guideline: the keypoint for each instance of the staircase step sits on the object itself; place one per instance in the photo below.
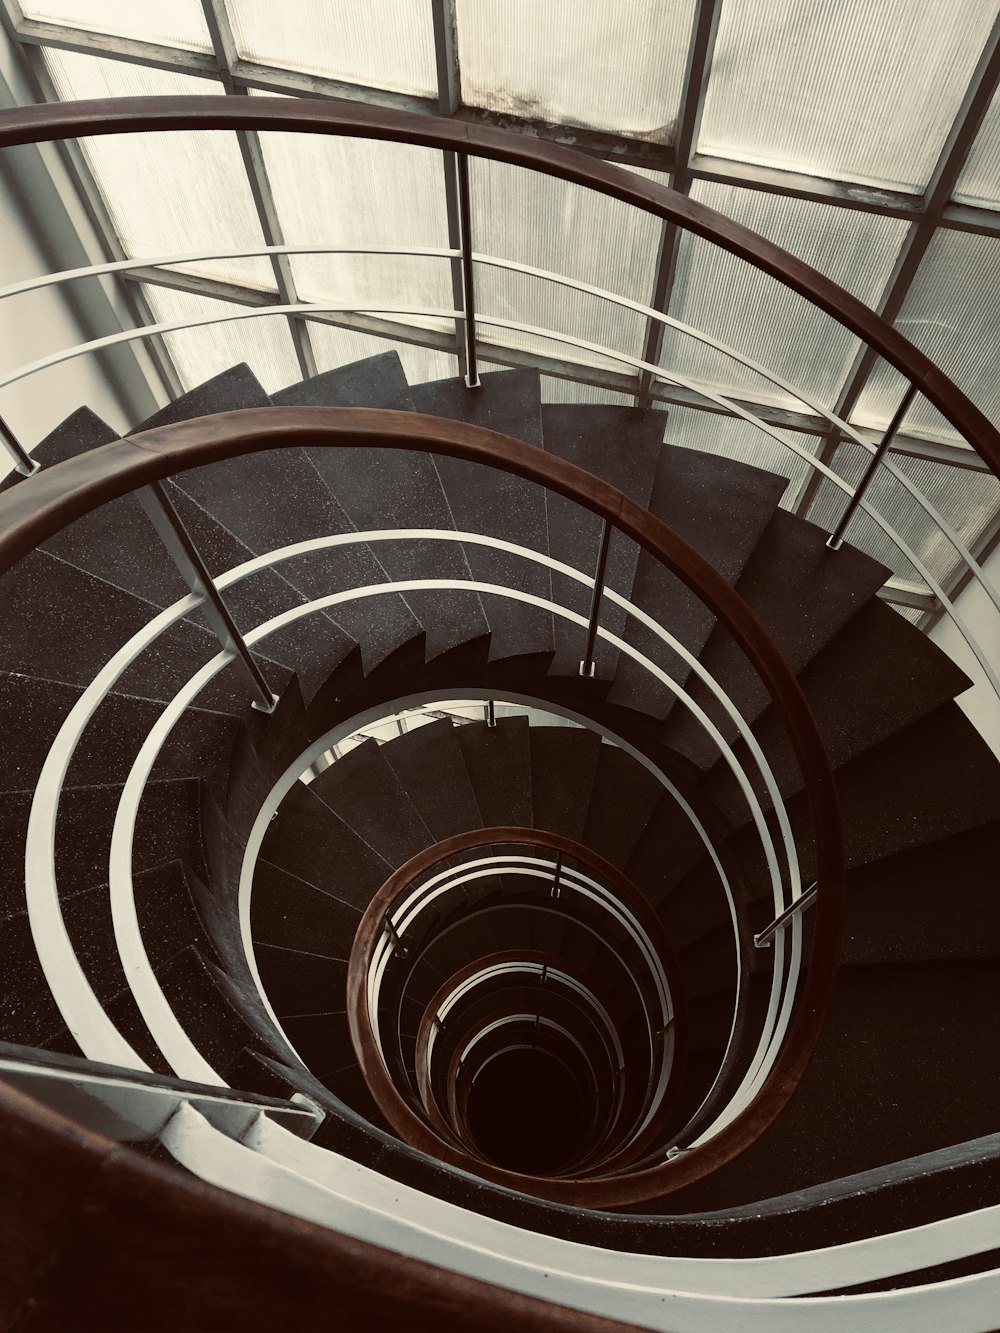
(300, 982)
(495, 503)
(235, 388)
(309, 841)
(563, 767)
(322, 1040)
(363, 790)
(289, 914)
(719, 507)
(622, 446)
(624, 796)
(803, 594)
(498, 760)
(429, 765)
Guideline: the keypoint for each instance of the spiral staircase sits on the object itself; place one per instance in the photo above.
(473, 937)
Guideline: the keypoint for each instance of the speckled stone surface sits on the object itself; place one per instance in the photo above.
(622, 446)
(232, 389)
(428, 762)
(803, 593)
(308, 840)
(300, 981)
(721, 508)
(494, 503)
(82, 430)
(290, 914)
(498, 760)
(364, 791)
(875, 677)
(621, 805)
(563, 765)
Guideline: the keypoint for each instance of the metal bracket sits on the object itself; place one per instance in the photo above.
(804, 900)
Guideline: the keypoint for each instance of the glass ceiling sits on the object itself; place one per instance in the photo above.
(861, 135)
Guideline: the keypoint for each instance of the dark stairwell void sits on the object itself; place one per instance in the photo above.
(526, 1113)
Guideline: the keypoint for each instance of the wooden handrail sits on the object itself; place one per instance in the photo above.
(123, 115)
(42, 505)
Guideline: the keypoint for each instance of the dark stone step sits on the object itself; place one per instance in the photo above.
(290, 914)
(362, 788)
(563, 767)
(622, 446)
(322, 1040)
(495, 503)
(721, 508)
(668, 847)
(622, 802)
(429, 765)
(803, 593)
(226, 392)
(874, 678)
(302, 982)
(498, 760)
(376, 381)
(309, 841)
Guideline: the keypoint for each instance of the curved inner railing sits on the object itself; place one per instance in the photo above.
(161, 452)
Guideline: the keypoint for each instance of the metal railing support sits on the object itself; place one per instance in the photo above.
(588, 667)
(23, 461)
(804, 900)
(194, 571)
(393, 934)
(491, 714)
(468, 279)
(556, 889)
(836, 539)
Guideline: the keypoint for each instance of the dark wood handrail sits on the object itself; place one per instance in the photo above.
(42, 505)
(393, 1106)
(123, 115)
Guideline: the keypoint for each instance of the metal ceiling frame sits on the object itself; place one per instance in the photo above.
(927, 212)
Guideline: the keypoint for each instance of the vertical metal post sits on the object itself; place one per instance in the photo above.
(194, 571)
(588, 666)
(491, 716)
(468, 282)
(393, 934)
(836, 538)
(554, 891)
(23, 461)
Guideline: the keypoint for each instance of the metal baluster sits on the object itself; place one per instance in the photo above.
(555, 890)
(836, 538)
(588, 667)
(468, 280)
(763, 940)
(491, 716)
(194, 571)
(23, 461)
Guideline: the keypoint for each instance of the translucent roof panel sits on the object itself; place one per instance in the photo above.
(584, 62)
(387, 45)
(263, 342)
(965, 499)
(180, 23)
(952, 313)
(731, 437)
(561, 228)
(336, 347)
(168, 193)
(863, 90)
(979, 182)
(758, 316)
(359, 191)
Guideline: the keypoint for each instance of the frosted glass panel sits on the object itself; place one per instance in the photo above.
(263, 342)
(167, 192)
(953, 314)
(343, 191)
(587, 62)
(730, 437)
(562, 228)
(966, 500)
(864, 90)
(388, 45)
(179, 23)
(979, 182)
(754, 313)
(339, 347)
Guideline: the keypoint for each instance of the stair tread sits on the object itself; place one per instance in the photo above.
(624, 796)
(498, 760)
(563, 766)
(428, 763)
(362, 788)
(287, 912)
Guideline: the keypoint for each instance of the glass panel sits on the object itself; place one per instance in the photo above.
(863, 90)
(953, 314)
(343, 191)
(966, 500)
(167, 192)
(339, 347)
(584, 62)
(562, 228)
(730, 437)
(180, 23)
(263, 342)
(979, 182)
(388, 45)
(760, 317)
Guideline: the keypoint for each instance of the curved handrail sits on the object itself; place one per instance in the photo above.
(54, 498)
(44, 123)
